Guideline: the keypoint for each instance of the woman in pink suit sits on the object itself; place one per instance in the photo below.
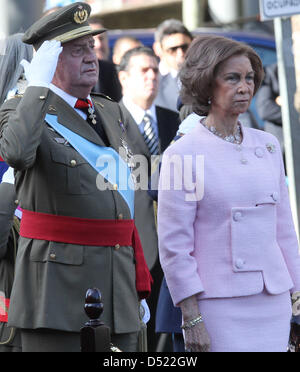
(227, 242)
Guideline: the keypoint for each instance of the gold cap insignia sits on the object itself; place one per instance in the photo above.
(81, 15)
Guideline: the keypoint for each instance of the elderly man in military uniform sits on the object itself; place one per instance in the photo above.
(75, 233)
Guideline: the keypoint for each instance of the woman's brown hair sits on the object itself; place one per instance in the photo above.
(202, 60)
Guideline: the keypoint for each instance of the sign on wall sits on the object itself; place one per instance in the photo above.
(270, 9)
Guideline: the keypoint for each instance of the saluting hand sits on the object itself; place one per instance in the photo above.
(40, 71)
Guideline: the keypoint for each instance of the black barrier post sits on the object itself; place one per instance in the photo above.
(95, 335)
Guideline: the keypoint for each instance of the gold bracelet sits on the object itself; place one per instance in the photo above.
(192, 323)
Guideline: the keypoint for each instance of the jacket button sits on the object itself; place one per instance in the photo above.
(237, 216)
(120, 216)
(275, 196)
(52, 256)
(239, 263)
(117, 247)
(259, 152)
(73, 163)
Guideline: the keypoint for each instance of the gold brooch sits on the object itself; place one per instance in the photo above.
(81, 15)
(271, 148)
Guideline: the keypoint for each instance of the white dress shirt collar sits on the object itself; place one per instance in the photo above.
(137, 112)
(174, 73)
(163, 69)
(68, 98)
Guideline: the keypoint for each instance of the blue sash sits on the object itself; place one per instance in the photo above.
(105, 160)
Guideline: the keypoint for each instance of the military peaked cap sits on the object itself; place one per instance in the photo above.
(65, 24)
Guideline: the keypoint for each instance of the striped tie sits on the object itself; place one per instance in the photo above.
(150, 135)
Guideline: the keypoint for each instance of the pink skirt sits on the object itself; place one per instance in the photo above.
(259, 323)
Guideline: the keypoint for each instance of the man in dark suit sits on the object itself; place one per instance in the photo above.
(139, 78)
(108, 82)
(172, 40)
(268, 103)
(150, 129)
(75, 233)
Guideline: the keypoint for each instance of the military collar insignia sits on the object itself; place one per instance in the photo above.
(100, 104)
(271, 148)
(81, 15)
(51, 109)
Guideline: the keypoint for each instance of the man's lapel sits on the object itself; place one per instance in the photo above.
(135, 138)
(168, 122)
(113, 127)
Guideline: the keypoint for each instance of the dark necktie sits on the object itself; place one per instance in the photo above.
(150, 135)
(86, 106)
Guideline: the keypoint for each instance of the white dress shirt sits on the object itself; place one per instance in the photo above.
(138, 114)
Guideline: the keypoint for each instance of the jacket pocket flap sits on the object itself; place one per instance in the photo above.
(272, 198)
(65, 155)
(67, 254)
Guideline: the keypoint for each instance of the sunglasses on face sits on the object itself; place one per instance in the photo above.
(173, 50)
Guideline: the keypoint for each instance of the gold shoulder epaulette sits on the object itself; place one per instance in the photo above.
(11, 96)
(101, 95)
(19, 95)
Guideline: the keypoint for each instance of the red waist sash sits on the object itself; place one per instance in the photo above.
(93, 232)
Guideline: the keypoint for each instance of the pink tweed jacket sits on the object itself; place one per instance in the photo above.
(239, 238)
